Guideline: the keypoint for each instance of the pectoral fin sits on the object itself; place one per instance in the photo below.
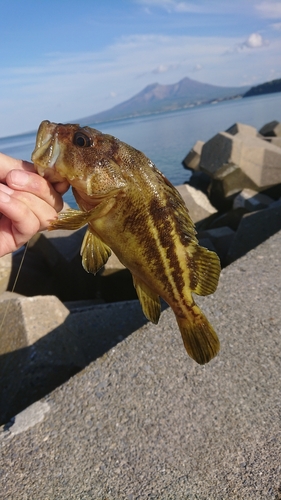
(71, 219)
(94, 252)
(149, 300)
(74, 219)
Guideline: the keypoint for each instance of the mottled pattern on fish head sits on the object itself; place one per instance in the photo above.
(82, 155)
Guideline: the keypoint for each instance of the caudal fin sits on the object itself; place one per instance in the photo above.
(199, 337)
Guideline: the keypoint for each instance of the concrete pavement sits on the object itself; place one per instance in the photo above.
(144, 421)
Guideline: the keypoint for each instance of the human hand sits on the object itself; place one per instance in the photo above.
(27, 202)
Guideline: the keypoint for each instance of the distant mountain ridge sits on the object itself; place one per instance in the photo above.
(265, 88)
(157, 98)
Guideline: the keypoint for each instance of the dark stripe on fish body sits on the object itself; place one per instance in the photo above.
(165, 226)
(192, 268)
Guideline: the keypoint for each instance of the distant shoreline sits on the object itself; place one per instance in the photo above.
(151, 113)
(171, 110)
(264, 88)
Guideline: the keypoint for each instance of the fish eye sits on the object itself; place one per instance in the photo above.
(82, 140)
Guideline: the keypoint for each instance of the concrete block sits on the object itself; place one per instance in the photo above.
(261, 162)
(271, 129)
(227, 181)
(70, 282)
(251, 200)
(230, 219)
(38, 351)
(253, 230)
(242, 128)
(35, 277)
(221, 238)
(222, 149)
(52, 266)
(5, 272)
(192, 159)
(43, 344)
(9, 295)
(200, 180)
(61, 245)
(113, 264)
(198, 205)
(276, 141)
(206, 243)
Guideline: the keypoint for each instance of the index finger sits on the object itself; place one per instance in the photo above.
(8, 163)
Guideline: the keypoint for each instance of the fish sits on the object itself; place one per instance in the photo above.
(132, 209)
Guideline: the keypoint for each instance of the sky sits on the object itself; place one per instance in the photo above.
(63, 60)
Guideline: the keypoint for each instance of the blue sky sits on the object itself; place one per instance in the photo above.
(65, 59)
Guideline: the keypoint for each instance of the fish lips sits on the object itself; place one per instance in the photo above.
(44, 157)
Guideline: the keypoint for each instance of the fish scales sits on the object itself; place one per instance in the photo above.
(133, 210)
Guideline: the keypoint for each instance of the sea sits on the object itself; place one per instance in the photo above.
(166, 138)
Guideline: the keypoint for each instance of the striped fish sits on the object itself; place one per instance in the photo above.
(132, 209)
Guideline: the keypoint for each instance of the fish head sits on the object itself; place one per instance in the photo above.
(83, 156)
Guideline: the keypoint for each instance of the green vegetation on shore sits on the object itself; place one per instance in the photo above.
(265, 88)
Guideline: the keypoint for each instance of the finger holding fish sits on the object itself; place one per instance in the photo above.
(9, 164)
(22, 215)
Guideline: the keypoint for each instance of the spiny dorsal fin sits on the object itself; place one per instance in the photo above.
(94, 252)
(206, 270)
(149, 300)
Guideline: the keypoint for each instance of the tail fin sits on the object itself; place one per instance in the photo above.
(199, 338)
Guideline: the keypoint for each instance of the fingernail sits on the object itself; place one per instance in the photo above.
(19, 177)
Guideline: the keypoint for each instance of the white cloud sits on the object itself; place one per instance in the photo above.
(164, 68)
(197, 67)
(199, 6)
(276, 26)
(174, 5)
(270, 9)
(254, 41)
(186, 7)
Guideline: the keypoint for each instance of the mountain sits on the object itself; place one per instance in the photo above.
(156, 98)
(264, 88)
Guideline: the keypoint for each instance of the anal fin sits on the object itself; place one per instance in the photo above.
(94, 252)
(149, 300)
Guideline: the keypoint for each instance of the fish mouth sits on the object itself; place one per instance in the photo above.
(46, 152)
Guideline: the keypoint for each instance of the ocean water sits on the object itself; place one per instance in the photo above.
(166, 138)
